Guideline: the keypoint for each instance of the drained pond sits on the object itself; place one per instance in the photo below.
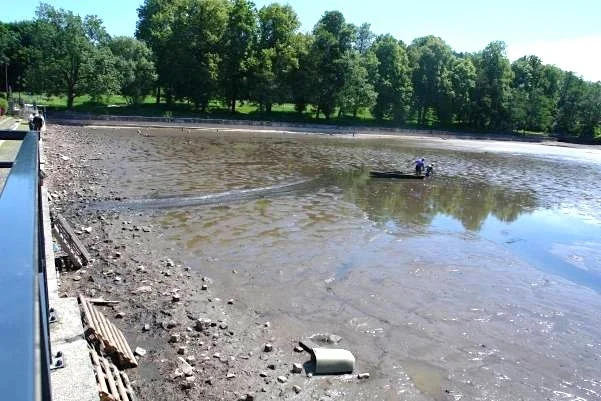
(482, 282)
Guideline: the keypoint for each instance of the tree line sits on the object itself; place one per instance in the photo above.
(200, 51)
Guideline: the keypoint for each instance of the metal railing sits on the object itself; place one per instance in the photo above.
(25, 353)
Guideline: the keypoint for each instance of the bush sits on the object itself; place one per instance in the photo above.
(3, 105)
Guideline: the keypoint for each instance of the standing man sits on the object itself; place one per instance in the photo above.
(419, 166)
(38, 122)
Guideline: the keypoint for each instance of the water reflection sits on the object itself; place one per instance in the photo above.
(418, 203)
(554, 243)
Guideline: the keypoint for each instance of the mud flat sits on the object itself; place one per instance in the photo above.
(431, 313)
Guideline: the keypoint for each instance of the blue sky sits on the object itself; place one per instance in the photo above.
(564, 33)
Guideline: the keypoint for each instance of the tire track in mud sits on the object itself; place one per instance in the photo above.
(233, 196)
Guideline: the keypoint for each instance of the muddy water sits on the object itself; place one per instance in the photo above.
(482, 283)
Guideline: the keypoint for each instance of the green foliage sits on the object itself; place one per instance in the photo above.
(391, 79)
(205, 57)
(135, 70)
(3, 105)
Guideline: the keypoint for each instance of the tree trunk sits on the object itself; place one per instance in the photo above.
(158, 94)
(233, 105)
(70, 98)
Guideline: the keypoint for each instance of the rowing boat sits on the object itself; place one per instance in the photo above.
(395, 174)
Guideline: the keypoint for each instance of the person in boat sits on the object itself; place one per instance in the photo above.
(419, 166)
(429, 170)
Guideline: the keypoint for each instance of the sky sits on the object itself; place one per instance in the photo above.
(564, 33)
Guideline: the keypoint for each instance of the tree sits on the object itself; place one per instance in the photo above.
(533, 97)
(590, 110)
(463, 79)
(135, 70)
(571, 93)
(357, 92)
(491, 105)
(275, 57)
(65, 59)
(431, 63)
(155, 28)
(301, 83)
(391, 80)
(333, 38)
(365, 38)
(238, 41)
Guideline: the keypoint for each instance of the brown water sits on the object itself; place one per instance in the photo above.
(482, 283)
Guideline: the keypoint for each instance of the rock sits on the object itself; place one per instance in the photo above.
(223, 325)
(117, 279)
(143, 289)
(363, 376)
(146, 229)
(146, 327)
(268, 347)
(204, 287)
(209, 381)
(169, 324)
(271, 366)
(140, 351)
(182, 350)
(267, 324)
(250, 397)
(202, 324)
(88, 229)
(230, 375)
(191, 359)
(177, 374)
(120, 315)
(282, 379)
(76, 278)
(217, 355)
(297, 368)
(175, 297)
(230, 301)
(185, 367)
(298, 348)
(175, 338)
(297, 389)
(334, 339)
(263, 374)
(141, 268)
(169, 263)
(167, 273)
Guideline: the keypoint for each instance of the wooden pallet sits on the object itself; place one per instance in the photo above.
(109, 337)
(69, 242)
(113, 384)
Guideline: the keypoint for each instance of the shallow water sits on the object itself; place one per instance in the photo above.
(480, 283)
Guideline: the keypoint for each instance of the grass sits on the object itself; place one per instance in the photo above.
(117, 105)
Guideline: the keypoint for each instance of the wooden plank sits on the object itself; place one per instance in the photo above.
(70, 243)
(109, 335)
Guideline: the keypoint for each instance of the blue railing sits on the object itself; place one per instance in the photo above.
(24, 341)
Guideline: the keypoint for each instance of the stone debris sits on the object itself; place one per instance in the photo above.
(140, 351)
(268, 347)
(363, 376)
(181, 350)
(298, 348)
(282, 379)
(202, 324)
(230, 301)
(120, 315)
(185, 367)
(297, 368)
(175, 338)
(297, 389)
(143, 289)
(146, 327)
(204, 287)
(230, 375)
